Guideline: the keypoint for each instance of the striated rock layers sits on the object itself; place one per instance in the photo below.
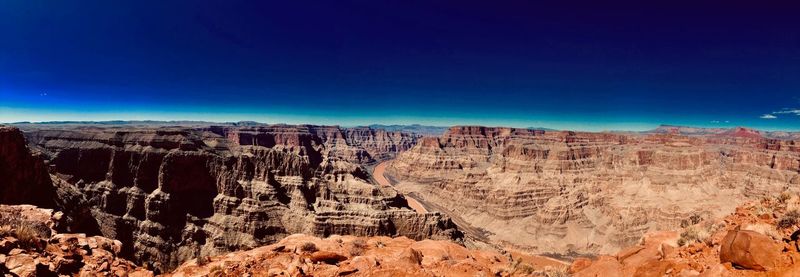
(171, 194)
(573, 192)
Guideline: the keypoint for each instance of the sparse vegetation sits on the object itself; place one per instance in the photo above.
(692, 220)
(309, 247)
(784, 196)
(789, 219)
(549, 271)
(28, 234)
(359, 247)
(27, 237)
(697, 233)
(216, 271)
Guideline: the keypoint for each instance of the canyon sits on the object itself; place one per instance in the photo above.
(578, 193)
(170, 194)
(179, 197)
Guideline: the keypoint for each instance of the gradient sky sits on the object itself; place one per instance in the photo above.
(563, 64)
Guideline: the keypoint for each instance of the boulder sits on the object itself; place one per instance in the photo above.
(749, 250)
(327, 257)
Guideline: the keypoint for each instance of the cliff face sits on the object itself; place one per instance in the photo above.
(171, 194)
(590, 192)
(23, 176)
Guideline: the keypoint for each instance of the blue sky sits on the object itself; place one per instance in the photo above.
(567, 65)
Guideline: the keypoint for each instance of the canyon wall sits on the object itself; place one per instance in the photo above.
(586, 193)
(174, 193)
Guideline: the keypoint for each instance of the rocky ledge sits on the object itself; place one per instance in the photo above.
(760, 238)
(302, 255)
(30, 246)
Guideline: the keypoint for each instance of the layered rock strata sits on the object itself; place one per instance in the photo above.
(586, 193)
(171, 194)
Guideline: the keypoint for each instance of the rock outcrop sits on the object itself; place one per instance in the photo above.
(301, 255)
(30, 246)
(759, 239)
(171, 194)
(576, 192)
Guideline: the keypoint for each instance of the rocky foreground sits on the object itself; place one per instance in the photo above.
(760, 238)
(30, 246)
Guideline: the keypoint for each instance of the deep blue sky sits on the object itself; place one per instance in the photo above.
(563, 64)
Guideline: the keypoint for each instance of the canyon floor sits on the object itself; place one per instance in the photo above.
(378, 174)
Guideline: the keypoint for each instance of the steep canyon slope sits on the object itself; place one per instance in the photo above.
(587, 193)
(174, 193)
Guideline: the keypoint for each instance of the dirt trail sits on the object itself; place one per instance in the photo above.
(377, 173)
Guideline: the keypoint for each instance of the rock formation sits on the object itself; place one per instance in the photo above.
(759, 239)
(574, 192)
(30, 246)
(174, 193)
(23, 176)
(301, 255)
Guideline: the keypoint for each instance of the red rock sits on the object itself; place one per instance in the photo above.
(605, 266)
(579, 264)
(750, 250)
(327, 257)
(653, 268)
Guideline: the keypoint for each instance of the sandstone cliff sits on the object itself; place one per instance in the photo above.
(174, 193)
(574, 192)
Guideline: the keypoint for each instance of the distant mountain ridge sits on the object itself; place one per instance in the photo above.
(413, 128)
(140, 122)
(736, 132)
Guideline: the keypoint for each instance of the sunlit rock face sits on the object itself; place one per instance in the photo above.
(173, 193)
(559, 191)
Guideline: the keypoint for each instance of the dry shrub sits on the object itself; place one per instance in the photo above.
(789, 219)
(784, 196)
(359, 247)
(692, 220)
(550, 271)
(697, 233)
(27, 237)
(216, 271)
(309, 247)
(29, 234)
(6, 230)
